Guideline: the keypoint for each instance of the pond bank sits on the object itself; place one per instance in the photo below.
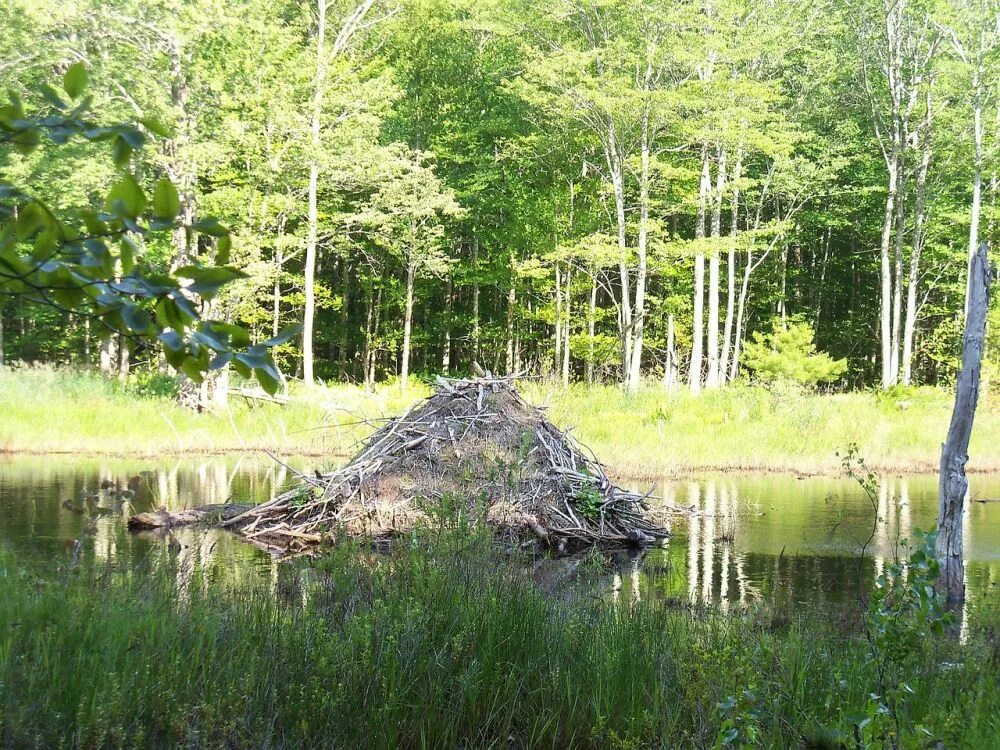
(650, 434)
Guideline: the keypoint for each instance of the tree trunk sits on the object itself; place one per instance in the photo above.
(712, 379)
(566, 328)
(885, 299)
(639, 318)
(727, 335)
(977, 179)
(954, 485)
(669, 363)
(734, 365)
(276, 295)
(475, 299)
(919, 237)
(109, 355)
(591, 324)
(309, 314)
(345, 317)
(446, 336)
(404, 375)
(124, 358)
(698, 323)
(509, 363)
(374, 318)
(180, 168)
(897, 273)
(557, 327)
(616, 169)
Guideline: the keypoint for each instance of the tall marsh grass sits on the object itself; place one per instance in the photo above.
(449, 647)
(745, 427)
(647, 434)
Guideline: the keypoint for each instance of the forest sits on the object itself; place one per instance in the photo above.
(470, 374)
(602, 191)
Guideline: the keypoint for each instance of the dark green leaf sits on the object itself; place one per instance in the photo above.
(284, 335)
(166, 201)
(51, 96)
(126, 198)
(206, 282)
(75, 80)
(121, 152)
(211, 226)
(135, 318)
(155, 126)
(222, 249)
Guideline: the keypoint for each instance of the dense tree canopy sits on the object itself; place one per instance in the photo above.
(597, 189)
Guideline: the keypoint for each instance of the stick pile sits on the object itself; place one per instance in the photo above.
(473, 450)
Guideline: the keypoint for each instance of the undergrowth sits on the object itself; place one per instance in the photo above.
(443, 644)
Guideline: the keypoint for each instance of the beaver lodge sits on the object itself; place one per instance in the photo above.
(474, 448)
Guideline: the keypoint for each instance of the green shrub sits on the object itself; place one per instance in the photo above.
(789, 353)
(152, 385)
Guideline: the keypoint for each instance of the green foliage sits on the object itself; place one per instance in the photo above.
(434, 643)
(530, 116)
(905, 617)
(789, 353)
(588, 501)
(154, 385)
(84, 261)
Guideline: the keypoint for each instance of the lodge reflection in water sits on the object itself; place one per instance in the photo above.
(754, 539)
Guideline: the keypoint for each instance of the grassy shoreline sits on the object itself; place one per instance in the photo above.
(648, 435)
(449, 645)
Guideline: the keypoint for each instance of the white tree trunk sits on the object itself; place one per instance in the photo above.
(639, 319)
(511, 311)
(124, 358)
(670, 360)
(919, 237)
(727, 334)
(698, 322)
(475, 299)
(734, 365)
(566, 327)
(557, 322)
(953, 484)
(591, 326)
(616, 170)
(712, 378)
(885, 299)
(404, 375)
(109, 355)
(446, 336)
(897, 270)
(312, 231)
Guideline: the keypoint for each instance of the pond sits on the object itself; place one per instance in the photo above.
(760, 538)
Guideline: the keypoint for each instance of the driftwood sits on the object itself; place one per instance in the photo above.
(205, 514)
(474, 453)
(953, 484)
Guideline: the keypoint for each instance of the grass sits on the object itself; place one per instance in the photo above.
(450, 646)
(56, 411)
(645, 435)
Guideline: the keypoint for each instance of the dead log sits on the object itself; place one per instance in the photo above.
(207, 514)
(953, 484)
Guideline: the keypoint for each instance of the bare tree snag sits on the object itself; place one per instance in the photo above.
(953, 484)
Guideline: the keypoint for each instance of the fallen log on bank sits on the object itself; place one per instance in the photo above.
(474, 452)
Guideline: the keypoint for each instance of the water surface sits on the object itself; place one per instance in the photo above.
(756, 539)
